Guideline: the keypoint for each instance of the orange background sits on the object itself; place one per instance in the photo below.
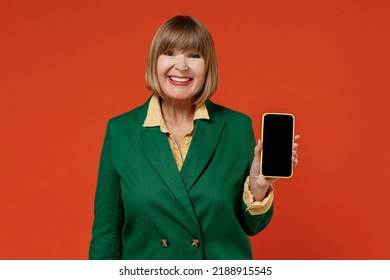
(69, 66)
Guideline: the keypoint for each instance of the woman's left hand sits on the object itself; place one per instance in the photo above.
(258, 183)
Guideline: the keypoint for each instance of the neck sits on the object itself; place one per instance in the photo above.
(177, 110)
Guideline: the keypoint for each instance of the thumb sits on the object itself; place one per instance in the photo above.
(255, 169)
(258, 148)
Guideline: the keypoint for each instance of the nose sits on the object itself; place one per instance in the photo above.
(181, 63)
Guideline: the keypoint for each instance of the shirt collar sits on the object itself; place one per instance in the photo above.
(155, 118)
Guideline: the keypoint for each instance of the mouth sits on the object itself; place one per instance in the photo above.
(176, 80)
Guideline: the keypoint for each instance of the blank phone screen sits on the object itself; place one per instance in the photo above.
(278, 130)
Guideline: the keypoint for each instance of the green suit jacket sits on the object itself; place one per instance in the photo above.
(146, 209)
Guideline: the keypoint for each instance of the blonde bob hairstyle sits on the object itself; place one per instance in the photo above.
(187, 34)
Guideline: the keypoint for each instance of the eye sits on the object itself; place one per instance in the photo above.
(195, 55)
(168, 53)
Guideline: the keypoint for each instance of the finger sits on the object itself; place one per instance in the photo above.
(258, 148)
(255, 168)
(294, 160)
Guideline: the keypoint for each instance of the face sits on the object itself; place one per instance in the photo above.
(181, 74)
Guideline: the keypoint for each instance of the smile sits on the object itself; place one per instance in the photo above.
(179, 79)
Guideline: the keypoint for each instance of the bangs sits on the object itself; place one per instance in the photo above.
(183, 35)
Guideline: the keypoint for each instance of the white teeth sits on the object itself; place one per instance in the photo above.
(178, 79)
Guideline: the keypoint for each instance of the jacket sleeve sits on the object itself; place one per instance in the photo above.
(108, 209)
(253, 224)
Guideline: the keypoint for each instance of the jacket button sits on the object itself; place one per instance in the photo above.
(164, 243)
(195, 242)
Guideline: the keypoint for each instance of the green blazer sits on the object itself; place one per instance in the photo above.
(146, 209)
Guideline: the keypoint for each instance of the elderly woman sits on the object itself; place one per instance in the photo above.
(179, 176)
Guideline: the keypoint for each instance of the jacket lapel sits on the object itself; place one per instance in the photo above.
(156, 147)
(206, 138)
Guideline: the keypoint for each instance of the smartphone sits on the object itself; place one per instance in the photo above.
(278, 139)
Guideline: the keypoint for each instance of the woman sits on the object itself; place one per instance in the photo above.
(179, 176)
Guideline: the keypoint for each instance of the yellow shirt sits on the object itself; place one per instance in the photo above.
(155, 118)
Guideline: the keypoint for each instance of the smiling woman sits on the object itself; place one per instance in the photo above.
(179, 176)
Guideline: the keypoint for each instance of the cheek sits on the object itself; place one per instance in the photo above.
(161, 76)
(162, 66)
(202, 70)
(202, 75)
(159, 68)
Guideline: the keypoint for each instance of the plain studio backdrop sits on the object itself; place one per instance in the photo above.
(69, 66)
